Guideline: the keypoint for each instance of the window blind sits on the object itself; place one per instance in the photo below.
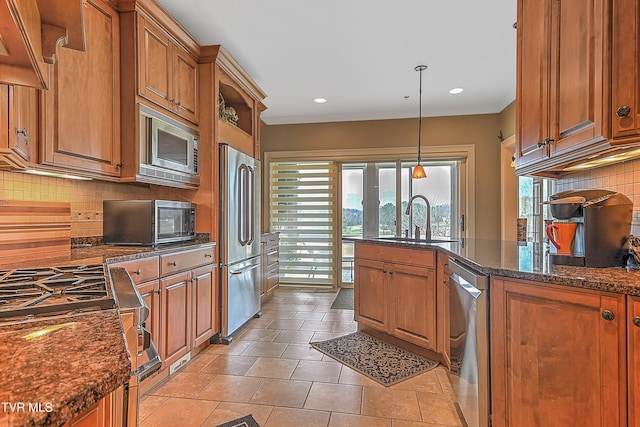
(303, 210)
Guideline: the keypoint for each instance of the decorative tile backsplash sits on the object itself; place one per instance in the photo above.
(85, 196)
(622, 177)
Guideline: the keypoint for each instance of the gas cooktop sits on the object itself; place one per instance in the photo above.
(54, 290)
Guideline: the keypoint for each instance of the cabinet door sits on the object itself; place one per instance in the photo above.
(150, 293)
(82, 108)
(412, 304)
(555, 359)
(371, 299)
(185, 85)
(532, 91)
(23, 123)
(633, 347)
(176, 316)
(577, 73)
(97, 415)
(442, 308)
(625, 84)
(155, 64)
(204, 305)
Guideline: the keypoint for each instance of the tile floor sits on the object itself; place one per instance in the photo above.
(270, 371)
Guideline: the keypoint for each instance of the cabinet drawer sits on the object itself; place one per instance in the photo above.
(396, 254)
(141, 270)
(186, 260)
(273, 276)
(273, 256)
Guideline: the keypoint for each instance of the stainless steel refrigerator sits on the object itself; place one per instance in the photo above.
(239, 240)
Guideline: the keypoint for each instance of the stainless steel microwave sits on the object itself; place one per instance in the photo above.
(168, 147)
(147, 222)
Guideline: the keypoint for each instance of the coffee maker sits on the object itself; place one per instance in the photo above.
(602, 223)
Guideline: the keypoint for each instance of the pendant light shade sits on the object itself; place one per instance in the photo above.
(418, 170)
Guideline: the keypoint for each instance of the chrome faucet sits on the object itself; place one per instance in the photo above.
(428, 224)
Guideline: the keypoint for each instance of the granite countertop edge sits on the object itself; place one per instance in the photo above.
(617, 280)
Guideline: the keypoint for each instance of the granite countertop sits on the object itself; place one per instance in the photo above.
(528, 261)
(60, 366)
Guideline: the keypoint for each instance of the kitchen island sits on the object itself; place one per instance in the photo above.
(560, 340)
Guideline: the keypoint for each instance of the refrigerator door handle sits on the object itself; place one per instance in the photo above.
(251, 206)
(245, 269)
(243, 199)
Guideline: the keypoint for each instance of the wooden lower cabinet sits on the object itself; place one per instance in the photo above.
(395, 292)
(443, 308)
(176, 316)
(270, 253)
(558, 356)
(107, 412)
(633, 346)
(204, 305)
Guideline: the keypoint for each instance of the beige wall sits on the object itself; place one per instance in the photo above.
(507, 120)
(479, 130)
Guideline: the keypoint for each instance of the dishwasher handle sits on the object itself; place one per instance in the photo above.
(477, 279)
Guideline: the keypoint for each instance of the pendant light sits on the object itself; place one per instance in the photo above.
(418, 170)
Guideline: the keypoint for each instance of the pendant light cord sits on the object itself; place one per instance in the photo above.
(420, 116)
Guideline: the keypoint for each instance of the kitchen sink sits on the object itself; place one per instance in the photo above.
(411, 239)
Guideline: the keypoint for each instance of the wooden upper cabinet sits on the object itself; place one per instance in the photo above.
(82, 108)
(625, 71)
(562, 81)
(167, 73)
(19, 121)
(532, 84)
(558, 356)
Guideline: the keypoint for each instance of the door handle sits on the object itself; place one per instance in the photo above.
(245, 269)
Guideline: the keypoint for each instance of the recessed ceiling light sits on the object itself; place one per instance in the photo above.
(320, 100)
(456, 90)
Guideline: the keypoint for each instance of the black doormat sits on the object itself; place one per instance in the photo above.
(246, 421)
(344, 299)
(380, 361)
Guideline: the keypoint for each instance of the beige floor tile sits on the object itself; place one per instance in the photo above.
(427, 382)
(269, 367)
(278, 314)
(339, 316)
(148, 404)
(317, 325)
(286, 324)
(298, 337)
(288, 393)
(326, 335)
(265, 349)
(301, 351)
(335, 398)
(309, 316)
(230, 365)
(231, 388)
(184, 384)
(260, 323)
(301, 307)
(257, 335)
(351, 376)
(406, 423)
(315, 370)
(351, 420)
(199, 362)
(225, 412)
(384, 402)
(442, 375)
(438, 409)
(281, 417)
(180, 412)
(236, 347)
(346, 327)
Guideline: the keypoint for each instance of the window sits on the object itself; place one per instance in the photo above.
(532, 192)
(303, 211)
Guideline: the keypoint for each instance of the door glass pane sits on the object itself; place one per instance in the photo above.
(352, 215)
(387, 197)
(437, 188)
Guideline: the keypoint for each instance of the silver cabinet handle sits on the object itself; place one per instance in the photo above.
(245, 269)
(636, 321)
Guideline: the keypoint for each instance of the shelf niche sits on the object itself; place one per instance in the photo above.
(244, 108)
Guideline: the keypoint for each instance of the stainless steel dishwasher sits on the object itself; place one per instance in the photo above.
(469, 342)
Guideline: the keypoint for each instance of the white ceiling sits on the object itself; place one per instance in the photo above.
(360, 54)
